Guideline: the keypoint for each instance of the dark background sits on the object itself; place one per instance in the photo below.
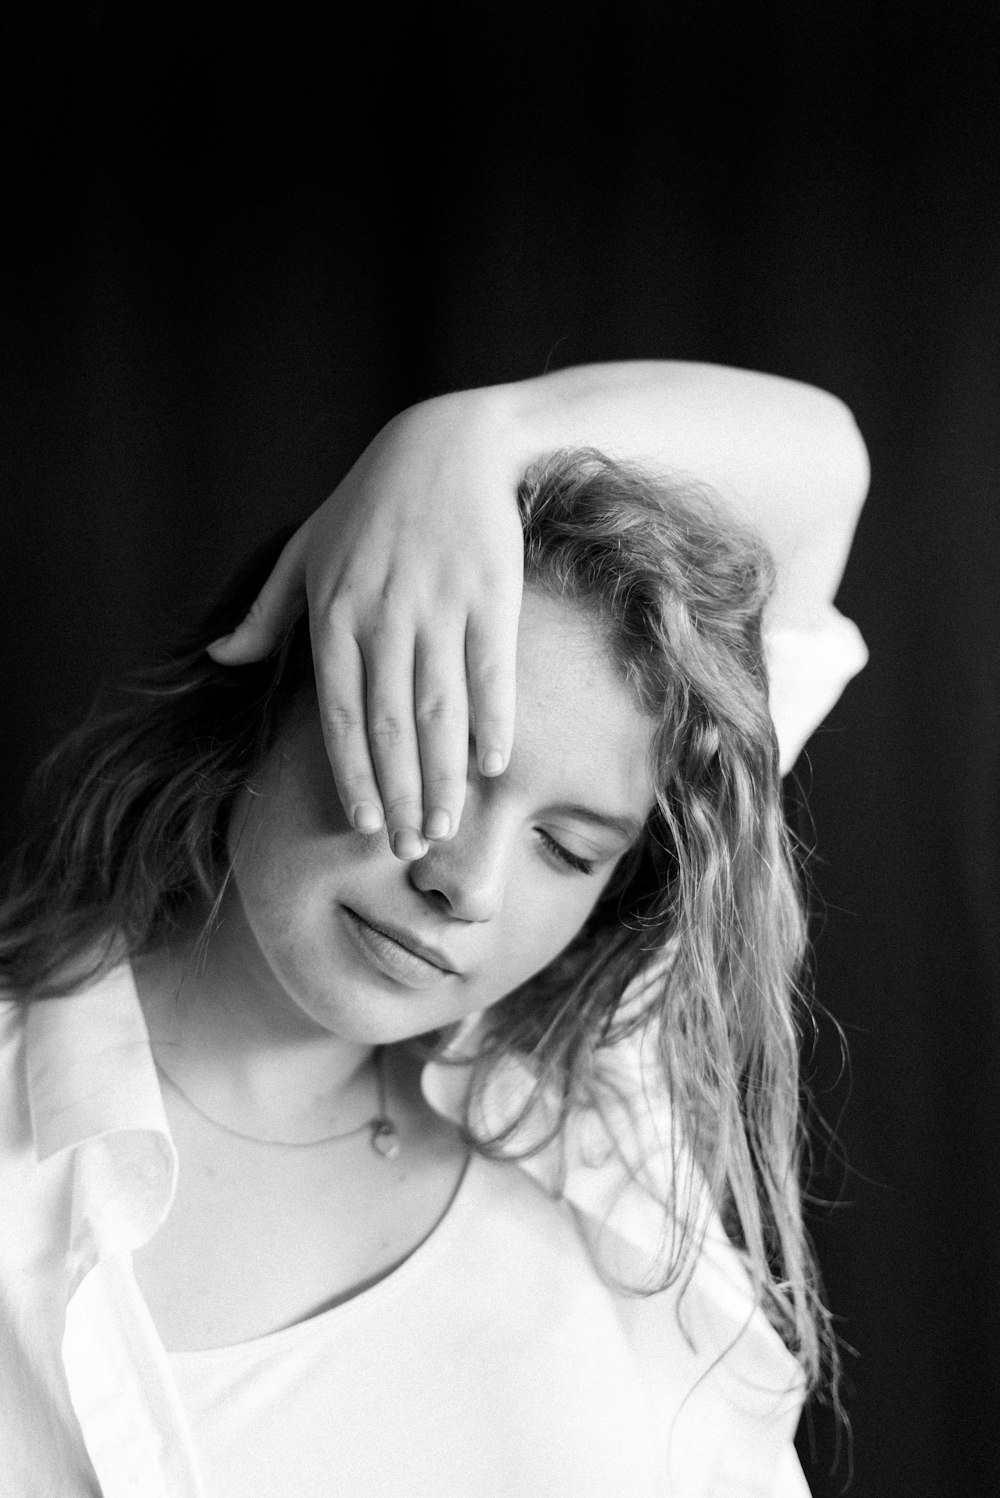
(236, 241)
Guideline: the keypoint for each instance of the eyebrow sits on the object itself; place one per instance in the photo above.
(625, 827)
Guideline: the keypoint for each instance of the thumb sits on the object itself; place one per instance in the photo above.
(277, 606)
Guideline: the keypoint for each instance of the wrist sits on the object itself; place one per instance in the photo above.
(482, 432)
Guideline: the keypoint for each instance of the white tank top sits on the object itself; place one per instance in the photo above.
(491, 1364)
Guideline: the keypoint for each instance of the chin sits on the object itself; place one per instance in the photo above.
(371, 1019)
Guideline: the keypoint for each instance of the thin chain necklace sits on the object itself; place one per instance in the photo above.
(384, 1141)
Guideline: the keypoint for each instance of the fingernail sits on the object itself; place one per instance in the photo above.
(222, 640)
(367, 817)
(492, 762)
(438, 823)
(408, 845)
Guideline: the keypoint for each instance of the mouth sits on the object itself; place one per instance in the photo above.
(398, 950)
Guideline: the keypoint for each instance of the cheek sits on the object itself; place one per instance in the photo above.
(264, 883)
(542, 928)
(278, 863)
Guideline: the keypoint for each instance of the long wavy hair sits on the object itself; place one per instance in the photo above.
(697, 942)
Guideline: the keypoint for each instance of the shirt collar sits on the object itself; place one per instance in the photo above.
(94, 1098)
(91, 1076)
(90, 1067)
(92, 1082)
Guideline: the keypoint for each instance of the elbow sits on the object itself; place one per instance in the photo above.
(838, 445)
(856, 462)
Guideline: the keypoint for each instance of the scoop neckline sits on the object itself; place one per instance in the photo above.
(367, 1301)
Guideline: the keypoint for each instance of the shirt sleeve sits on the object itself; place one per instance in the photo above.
(808, 670)
(791, 1479)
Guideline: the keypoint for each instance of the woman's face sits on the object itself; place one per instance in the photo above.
(343, 937)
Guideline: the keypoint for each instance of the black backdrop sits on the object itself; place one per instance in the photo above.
(237, 241)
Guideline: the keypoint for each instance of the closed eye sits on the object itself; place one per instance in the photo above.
(563, 855)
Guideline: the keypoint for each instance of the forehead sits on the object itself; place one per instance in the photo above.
(578, 724)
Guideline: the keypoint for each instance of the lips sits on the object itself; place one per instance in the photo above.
(405, 939)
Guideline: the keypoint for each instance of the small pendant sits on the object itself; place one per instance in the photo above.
(385, 1140)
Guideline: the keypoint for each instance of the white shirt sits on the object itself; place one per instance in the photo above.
(91, 1403)
(490, 1365)
(807, 671)
(495, 1344)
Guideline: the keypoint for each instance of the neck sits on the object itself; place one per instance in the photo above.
(232, 1042)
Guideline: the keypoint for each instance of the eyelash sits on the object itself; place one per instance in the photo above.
(563, 855)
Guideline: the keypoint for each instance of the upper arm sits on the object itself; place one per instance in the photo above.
(786, 456)
(790, 460)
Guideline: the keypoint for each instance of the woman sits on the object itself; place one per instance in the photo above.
(412, 568)
(290, 1099)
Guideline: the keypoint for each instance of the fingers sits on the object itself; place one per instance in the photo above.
(491, 655)
(278, 604)
(366, 696)
(396, 705)
(340, 685)
(441, 708)
(392, 741)
(396, 724)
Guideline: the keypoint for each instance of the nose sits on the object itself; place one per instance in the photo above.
(466, 876)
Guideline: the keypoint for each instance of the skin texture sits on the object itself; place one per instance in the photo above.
(412, 568)
(278, 1021)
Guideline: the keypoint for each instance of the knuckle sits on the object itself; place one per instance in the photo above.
(439, 710)
(394, 591)
(401, 810)
(342, 722)
(444, 785)
(339, 606)
(489, 669)
(490, 714)
(353, 789)
(334, 623)
(488, 684)
(388, 607)
(385, 730)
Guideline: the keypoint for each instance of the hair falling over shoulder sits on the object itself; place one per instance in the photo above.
(696, 946)
(127, 815)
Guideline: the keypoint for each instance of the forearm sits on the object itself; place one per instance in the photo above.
(412, 569)
(786, 456)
